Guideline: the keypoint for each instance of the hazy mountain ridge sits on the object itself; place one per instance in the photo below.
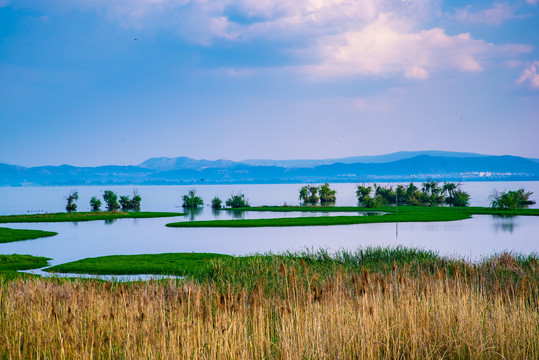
(466, 166)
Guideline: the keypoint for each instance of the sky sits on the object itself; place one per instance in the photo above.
(95, 82)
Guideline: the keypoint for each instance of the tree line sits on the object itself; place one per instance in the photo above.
(431, 193)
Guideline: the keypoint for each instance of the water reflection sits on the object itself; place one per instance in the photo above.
(216, 213)
(237, 214)
(193, 213)
(504, 223)
(110, 221)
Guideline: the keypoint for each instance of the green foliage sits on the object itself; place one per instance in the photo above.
(111, 199)
(363, 192)
(363, 196)
(512, 199)
(165, 264)
(71, 198)
(237, 201)
(309, 194)
(22, 262)
(131, 204)
(95, 203)
(327, 194)
(455, 196)
(216, 203)
(10, 235)
(191, 201)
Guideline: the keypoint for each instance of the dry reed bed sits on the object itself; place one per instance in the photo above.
(348, 315)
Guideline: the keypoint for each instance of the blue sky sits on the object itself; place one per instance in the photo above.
(93, 82)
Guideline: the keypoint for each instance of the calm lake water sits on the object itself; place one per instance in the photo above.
(473, 238)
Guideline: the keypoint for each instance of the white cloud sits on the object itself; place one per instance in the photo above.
(532, 2)
(337, 37)
(496, 15)
(530, 75)
(386, 47)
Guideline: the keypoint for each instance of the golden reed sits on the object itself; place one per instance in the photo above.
(350, 315)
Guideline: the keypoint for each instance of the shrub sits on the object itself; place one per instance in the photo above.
(327, 194)
(309, 194)
(191, 201)
(455, 196)
(131, 204)
(511, 199)
(237, 201)
(95, 203)
(71, 198)
(111, 199)
(363, 192)
(216, 203)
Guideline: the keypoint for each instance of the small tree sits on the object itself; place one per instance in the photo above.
(461, 198)
(111, 199)
(131, 204)
(95, 203)
(216, 203)
(327, 194)
(363, 192)
(71, 198)
(191, 201)
(432, 193)
(309, 194)
(455, 196)
(511, 199)
(237, 201)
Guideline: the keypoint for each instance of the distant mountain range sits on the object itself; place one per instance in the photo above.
(400, 166)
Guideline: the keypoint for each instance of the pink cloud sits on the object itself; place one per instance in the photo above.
(530, 75)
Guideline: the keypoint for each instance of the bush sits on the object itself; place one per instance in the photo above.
(191, 201)
(455, 196)
(216, 203)
(237, 201)
(309, 194)
(111, 199)
(95, 203)
(511, 199)
(131, 204)
(327, 194)
(71, 198)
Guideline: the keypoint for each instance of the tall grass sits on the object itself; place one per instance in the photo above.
(316, 306)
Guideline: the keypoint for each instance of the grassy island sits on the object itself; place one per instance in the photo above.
(159, 264)
(84, 216)
(402, 214)
(10, 235)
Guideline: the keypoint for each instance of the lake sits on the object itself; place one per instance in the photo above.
(474, 238)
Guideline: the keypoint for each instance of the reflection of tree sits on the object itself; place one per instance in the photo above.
(193, 212)
(505, 223)
(216, 212)
(238, 214)
(110, 221)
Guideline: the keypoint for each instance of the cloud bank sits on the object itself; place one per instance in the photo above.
(331, 38)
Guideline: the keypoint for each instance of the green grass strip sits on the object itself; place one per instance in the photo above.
(22, 262)
(160, 264)
(83, 216)
(10, 235)
(404, 214)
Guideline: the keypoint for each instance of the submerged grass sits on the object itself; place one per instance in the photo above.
(83, 216)
(309, 305)
(10, 235)
(404, 214)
